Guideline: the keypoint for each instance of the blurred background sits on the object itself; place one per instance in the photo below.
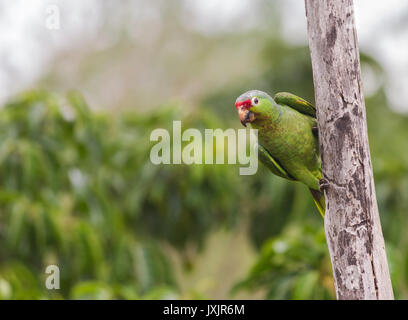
(83, 84)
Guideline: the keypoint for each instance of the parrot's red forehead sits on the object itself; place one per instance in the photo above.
(245, 104)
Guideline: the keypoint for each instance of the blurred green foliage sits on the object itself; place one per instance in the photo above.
(79, 190)
(293, 265)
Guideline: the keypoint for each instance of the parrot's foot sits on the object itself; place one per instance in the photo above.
(315, 131)
(323, 184)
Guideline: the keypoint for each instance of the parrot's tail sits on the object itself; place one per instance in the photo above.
(318, 198)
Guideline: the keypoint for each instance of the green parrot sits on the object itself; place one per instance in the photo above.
(287, 137)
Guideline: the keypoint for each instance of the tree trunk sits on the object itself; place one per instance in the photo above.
(352, 222)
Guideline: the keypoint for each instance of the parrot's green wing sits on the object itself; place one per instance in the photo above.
(296, 103)
(273, 165)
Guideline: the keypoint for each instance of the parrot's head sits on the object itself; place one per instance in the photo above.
(252, 105)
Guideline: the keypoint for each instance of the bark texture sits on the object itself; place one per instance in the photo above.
(352, 223)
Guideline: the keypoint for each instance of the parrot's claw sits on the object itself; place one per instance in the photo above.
(323, 184)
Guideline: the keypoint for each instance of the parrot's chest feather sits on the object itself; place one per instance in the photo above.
(289, 139)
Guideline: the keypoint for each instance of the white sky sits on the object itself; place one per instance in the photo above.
(26, 45)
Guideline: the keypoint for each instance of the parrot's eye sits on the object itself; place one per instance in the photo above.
(255, 101)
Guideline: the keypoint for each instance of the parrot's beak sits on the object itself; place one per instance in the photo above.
(245, 116)
(243, 111)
